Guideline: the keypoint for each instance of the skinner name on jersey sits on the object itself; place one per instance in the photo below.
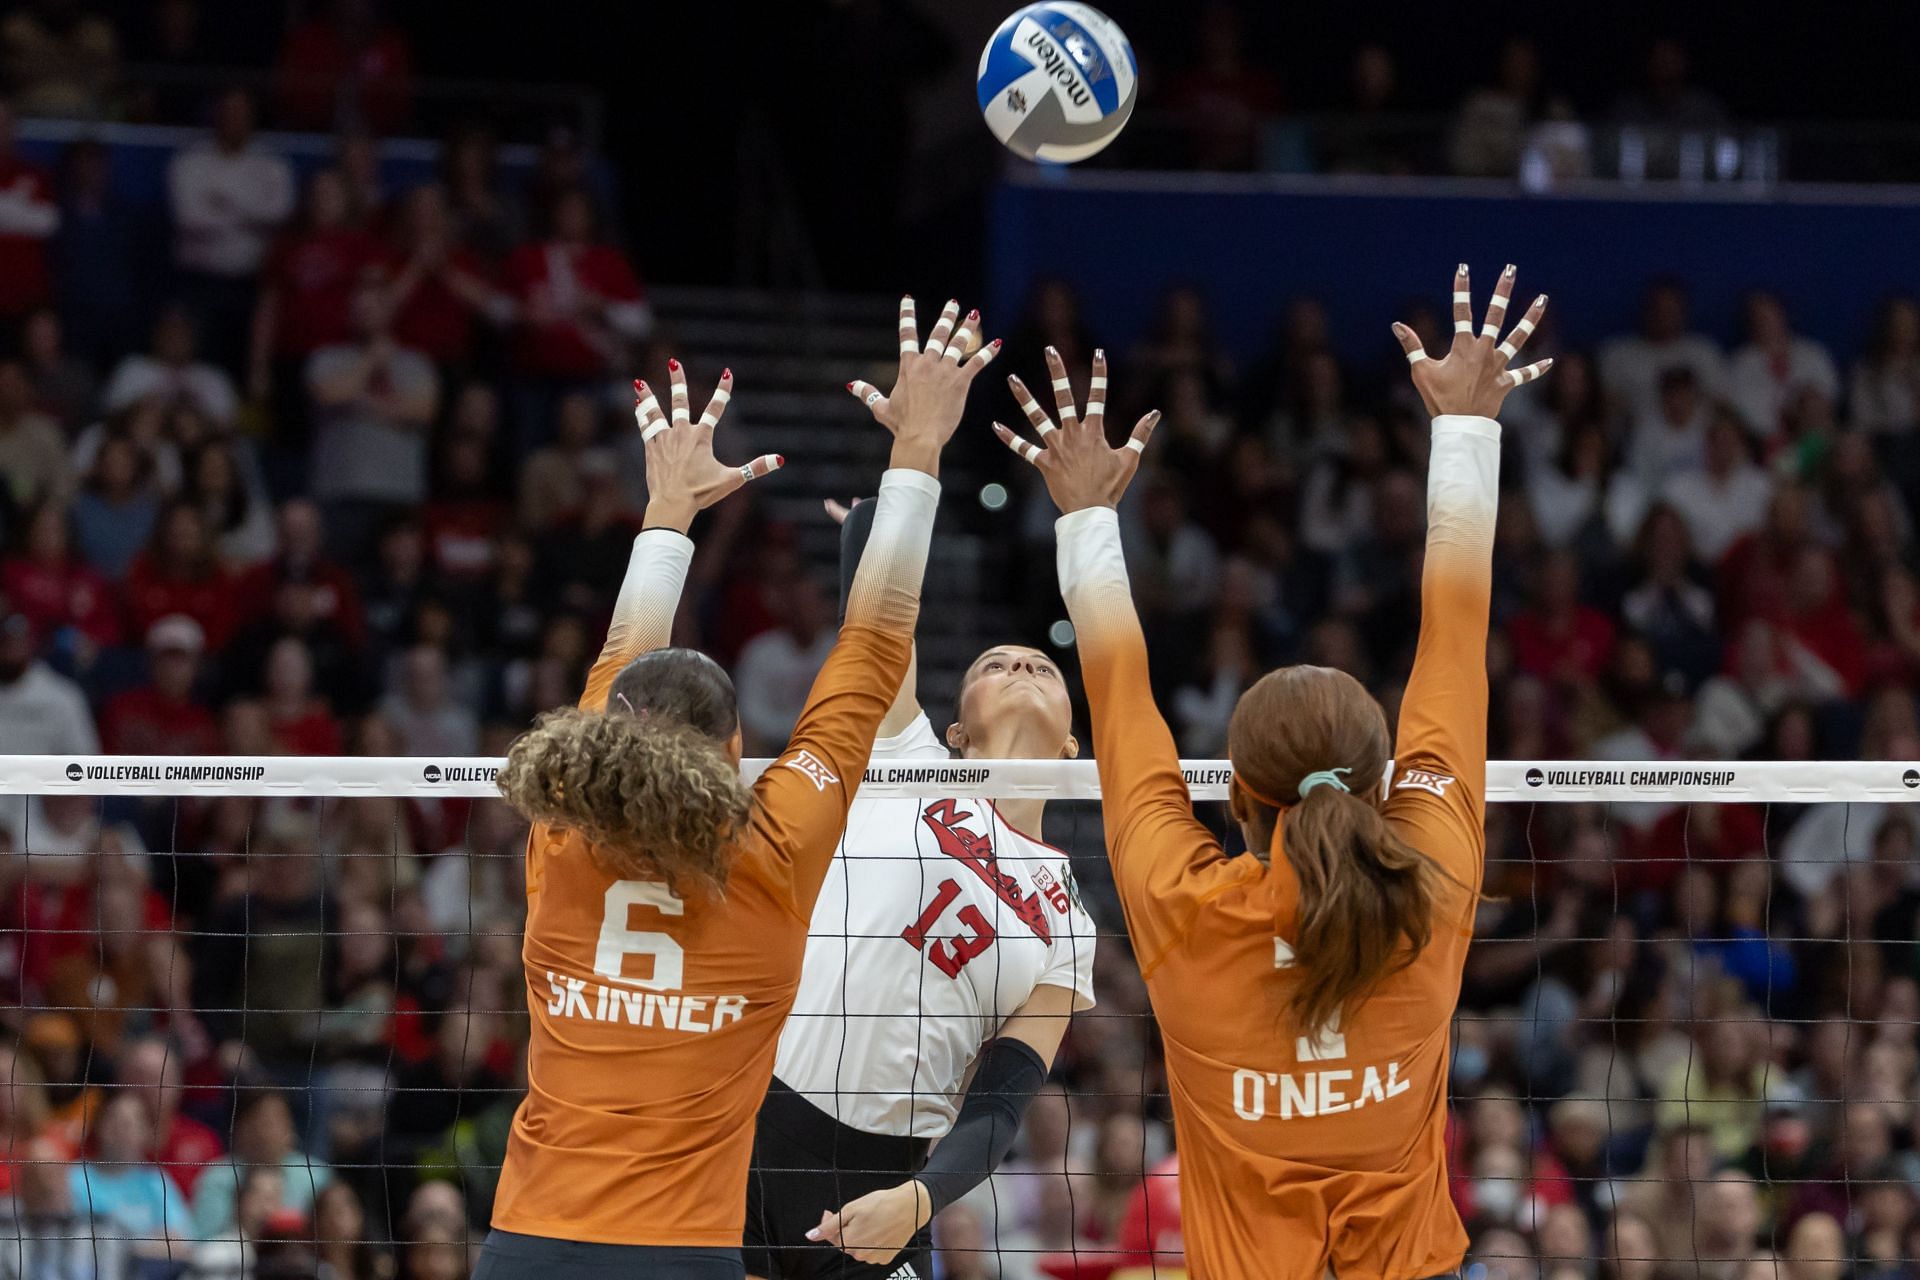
(670, 1011)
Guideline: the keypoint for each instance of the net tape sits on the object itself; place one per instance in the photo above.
(1543, 781)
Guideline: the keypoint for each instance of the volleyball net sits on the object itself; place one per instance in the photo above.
(274, 1007)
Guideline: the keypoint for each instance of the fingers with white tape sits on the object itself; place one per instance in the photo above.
(962, 343)
(909, 329)
(1142, 432)
(1409, 343)
(943, 329)
(764, 465)
(1462, 301)
(1062, 389)
(1524, 330)
(1520, 377)
(646, 412)
(871, 396)
(1097, 390)
(1497, 304)
(717, 405)
(1030, 452)
(677, 393)
(1028, 405)
(983, 357)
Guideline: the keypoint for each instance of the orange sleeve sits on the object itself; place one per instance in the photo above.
(1166, 863)
(1439, 788)
(801, 801)
(643, 611)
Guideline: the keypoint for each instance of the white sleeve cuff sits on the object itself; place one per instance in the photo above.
(1089, 555)
(886, 585)
(650, 595)
(1466, 424)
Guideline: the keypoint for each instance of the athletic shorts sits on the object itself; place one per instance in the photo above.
(806, 1163)
(508, 1256)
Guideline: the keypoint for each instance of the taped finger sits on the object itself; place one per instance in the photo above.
(1097, 388)
(962, 343)
(1026, 450)
(1036, 416)
(717, 403)
(764, 465)
(646, 412)
(943, 328)
(1462, 301)
(1142, 432)
(866, 392)
(677, 393)
(1410, 343)
(1524, 330)
(1522, 376)
(1062, 389)
(1497, 304)
(984, 356)
(909, 329)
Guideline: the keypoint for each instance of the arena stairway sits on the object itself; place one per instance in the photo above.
(792, 356)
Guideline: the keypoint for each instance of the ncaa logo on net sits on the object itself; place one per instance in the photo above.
(75, 772)
(431, 773)
(1536, 777)
(1911, 778)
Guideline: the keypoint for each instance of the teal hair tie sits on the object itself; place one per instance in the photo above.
(1323, 777)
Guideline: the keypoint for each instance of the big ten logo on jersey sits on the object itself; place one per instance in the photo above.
(640, 971)
(1325, 1092)
(973, 850)
(1425, 780)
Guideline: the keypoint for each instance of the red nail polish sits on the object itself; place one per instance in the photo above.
(726, 374)
(996, 344)
(973, 315)
(779, 460)
(849, 386)
(674, 365)
(638, 386)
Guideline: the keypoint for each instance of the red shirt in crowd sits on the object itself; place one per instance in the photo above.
(551, 279)
(314, 276)
(460, 535)
(1578, 644)
(145, 722)
(313, 732)
(433, 319)
(68, 594)
(28, 217)
(317, 57)
(152, 593)
(335, 596)
(185, 1150)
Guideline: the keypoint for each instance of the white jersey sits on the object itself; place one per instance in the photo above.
(936, 922)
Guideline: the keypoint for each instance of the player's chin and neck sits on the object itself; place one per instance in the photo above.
(1022, 728)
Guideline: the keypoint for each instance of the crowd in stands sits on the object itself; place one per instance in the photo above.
(317, 466)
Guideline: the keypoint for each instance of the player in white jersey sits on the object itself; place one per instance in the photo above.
(947, 938)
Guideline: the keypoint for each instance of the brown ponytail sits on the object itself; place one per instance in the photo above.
(1367, 898)
(654, 797)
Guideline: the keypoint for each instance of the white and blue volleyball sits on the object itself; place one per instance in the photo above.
(1057, 81)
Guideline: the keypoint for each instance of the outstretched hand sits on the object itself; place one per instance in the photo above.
(1473, 378)
(1080, 469)
(923, 409)
(683, 476)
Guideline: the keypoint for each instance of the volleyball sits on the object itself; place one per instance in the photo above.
(1057, 81)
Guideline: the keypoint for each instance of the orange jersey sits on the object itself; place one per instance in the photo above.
(654, 1016)
(1301, 1153)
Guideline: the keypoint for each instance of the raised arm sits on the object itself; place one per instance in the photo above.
(683, 478)
(1440, 757)
(856, 526)
(803, 799)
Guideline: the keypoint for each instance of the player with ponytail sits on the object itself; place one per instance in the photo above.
(1305, 990)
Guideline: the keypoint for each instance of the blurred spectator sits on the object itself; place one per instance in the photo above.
(340, 1231)
(1580, 499)
(33, 456)
(164, 717)
(263, 1138)
(309, 289)
(123, 1189)
(356, 154)
(302, 722)
(1774, 366)
(1726, 498)
(28, 219)
(1668, 100)
(1223, 98)
(229, 195)
(429, 721)
(116, 510)
(1491, 128)
(464, 514)
(62, 59)
(373, 401)
(172, 375)
(41, 713)
(1632, 369)
(1366, 138)
(579, 302)
(777, 667)
(231, 1254)
(60, 594)
(181, 572)
(231, 499)
(63, 386)
(151, 1070)
(174, 40)
(1816, 1249)
(1667, 606)
(553, 479)
(1175, 564)
(483, 218)
(345, 66)
(100, 278)
(440, 286)
(300, 557)
(1673, 435)
(1886, 380)
(1560, 638)
(45, 1233)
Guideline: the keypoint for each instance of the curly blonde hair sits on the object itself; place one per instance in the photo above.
(654, 798)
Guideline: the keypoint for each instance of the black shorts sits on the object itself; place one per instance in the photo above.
(508, 1256)
(806, 1163)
